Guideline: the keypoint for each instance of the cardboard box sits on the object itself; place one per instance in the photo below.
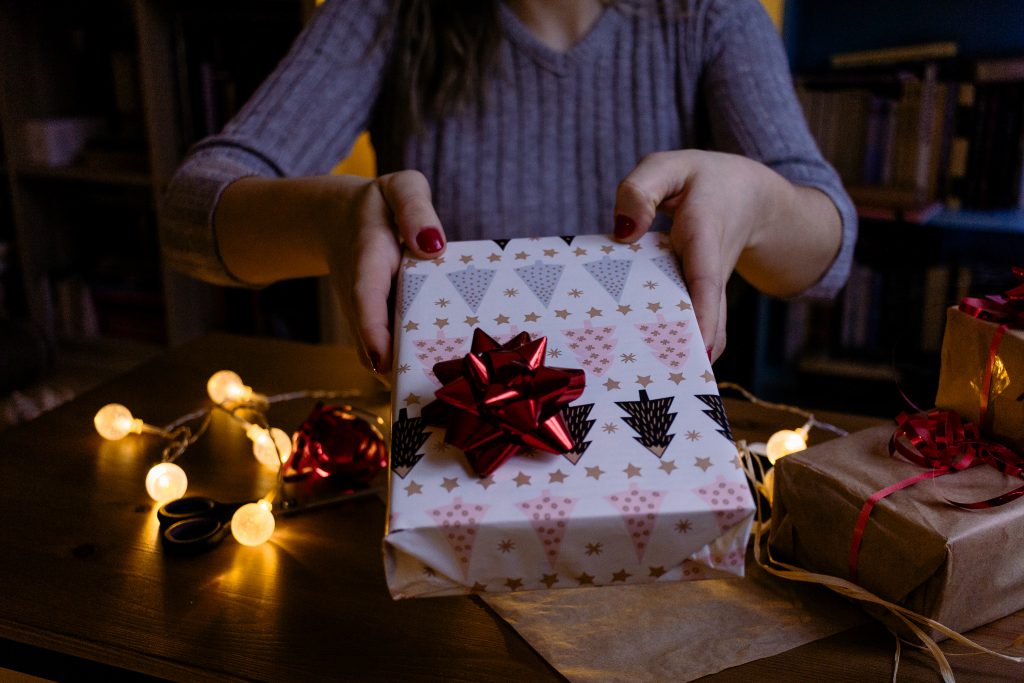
(965, 358)
(652, 489)
(958, 567)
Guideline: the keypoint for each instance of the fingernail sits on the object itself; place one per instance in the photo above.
(624, 227)
(374, 361)
(708, 349)
(429, 240)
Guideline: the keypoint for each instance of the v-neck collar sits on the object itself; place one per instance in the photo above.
(595, 40)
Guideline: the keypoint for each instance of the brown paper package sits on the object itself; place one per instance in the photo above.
(965, 355)
(961, 568)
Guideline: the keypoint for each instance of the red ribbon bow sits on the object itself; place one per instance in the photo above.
(1006, 308)
(501, 398)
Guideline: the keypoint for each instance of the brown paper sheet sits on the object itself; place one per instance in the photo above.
(961, 568)
(674, 631)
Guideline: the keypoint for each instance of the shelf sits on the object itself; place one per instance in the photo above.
(997, 220)
(86, 174)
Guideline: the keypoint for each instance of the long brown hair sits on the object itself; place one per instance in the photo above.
(442, 53)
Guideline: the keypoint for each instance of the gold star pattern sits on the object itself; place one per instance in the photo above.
(549, 580)
(521, 479)
(656, 572)
(609, 428)
(531, 318)
(439, 261)
(703, 463)
(607, 248)
(562, 313)
(693, 435)
(653, 307)
(634, 247)
(507, 545)
(631, 471)
(610, 384)
(413, 488)
(584, 579)
(594, 548)
(557, 477)
(486, 482)
(410, 264)
(707, 376)
(676, 377)
(522, 256)
(450, 485)
(594, 312)
(683, 305)
(668, 466)
(554, 353)
(472, 320)
(440, 323)
(579, 251)
(501, 319)
(575, 293)
(551, 253)
(404, 368)
(644, 380)
(511, 292)
(513, 584)
(410, 326)
(625, 309)
(442, 303)
(594, 472)
(412, 399)
(651, 285)
(683, 525)
(466, 258)
(621, 575)
(627, 357)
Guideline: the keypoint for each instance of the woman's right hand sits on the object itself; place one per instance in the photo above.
(363, 252)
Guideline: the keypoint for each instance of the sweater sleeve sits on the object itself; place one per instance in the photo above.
(753, 110)
(301, 121)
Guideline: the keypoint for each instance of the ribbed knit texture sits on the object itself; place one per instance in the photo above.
(557, 134)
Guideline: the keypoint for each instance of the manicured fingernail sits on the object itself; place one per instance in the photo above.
(624, 227)
(708, 349)
(429, 240)
(374, 361)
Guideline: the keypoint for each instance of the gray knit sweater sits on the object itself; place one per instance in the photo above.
(558, 133)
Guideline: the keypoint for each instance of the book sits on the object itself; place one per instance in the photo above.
(894, 55)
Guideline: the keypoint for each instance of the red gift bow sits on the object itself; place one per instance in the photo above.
(501, 398)
(1006, 308)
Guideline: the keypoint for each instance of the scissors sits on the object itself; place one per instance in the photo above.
(195, 523)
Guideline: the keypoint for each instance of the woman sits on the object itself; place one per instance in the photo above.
(510, 119)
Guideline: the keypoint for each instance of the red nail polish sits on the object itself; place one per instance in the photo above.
(709, 352)
(624, 227)
(374, 361)
(429, 240)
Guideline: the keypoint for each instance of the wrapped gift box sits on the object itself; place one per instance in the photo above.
(958, 567)
(652, 489)
(965, 360)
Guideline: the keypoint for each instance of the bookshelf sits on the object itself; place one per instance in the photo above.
(98, 103)
(928, 236)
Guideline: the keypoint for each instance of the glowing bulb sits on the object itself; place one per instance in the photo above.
(784, 442)
(166, 481)
(769, 485)
(270, 448)
(113, 421)
(226, 386)
(253, 523)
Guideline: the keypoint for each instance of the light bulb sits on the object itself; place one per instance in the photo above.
(166, 481)
(113, 421)
(271, 449)
(226, 386)
(784, 442)
(769, 485)
(253, 523)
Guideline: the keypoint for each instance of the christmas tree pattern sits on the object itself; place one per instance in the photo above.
(610, 273)
(472, 284)
(459, 523)
(407, 437)
(716, 411)
(541, 279)
(434, 350)
(549, 516)
(579, 426)
(593, 346)
(668, 265)
(568, 239)
(668, 340)
(727, 499)
(651, 420)
(411, 284)
(501, 243)
(639, 510)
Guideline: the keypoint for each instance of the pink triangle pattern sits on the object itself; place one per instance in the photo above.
(434, 350)
(549, 516)
(593, 346)
(459, 523)
(639, 510)
(727, 499)
(668, 340)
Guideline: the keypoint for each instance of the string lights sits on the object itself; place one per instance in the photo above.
(251, 523)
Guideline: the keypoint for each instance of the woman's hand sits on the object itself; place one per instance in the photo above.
(729, 212)
(363, 253)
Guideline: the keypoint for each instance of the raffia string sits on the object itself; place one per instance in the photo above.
(914, 621)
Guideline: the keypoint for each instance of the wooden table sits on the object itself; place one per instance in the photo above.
(87, 590)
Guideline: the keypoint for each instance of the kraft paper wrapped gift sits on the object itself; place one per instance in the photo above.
(965, 360)
(961, 568)
(651, 489)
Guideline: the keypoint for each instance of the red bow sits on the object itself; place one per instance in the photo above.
(1006, 308)
(501, 398)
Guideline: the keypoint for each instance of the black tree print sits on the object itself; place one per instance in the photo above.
(716, 411)
(651, 420)
(579, 426)
(407, 436)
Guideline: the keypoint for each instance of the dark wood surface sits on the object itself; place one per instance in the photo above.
(84, 577)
